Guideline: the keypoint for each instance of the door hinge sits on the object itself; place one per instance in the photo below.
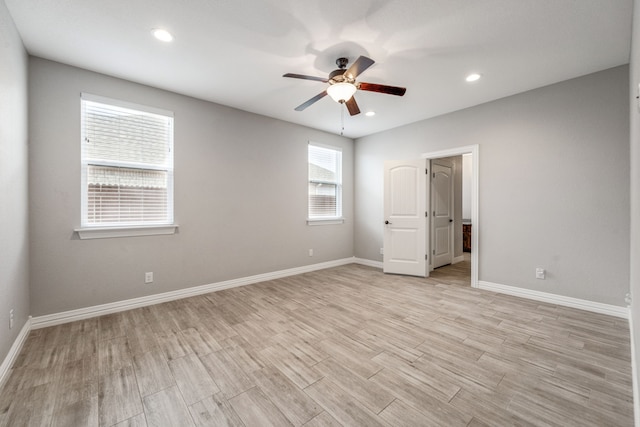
(426, 171)
(434, 213)
(434, 251)
(434, 175)
(426, 257)
(426, 214)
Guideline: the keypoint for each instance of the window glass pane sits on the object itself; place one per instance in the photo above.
(124, 135)
(325, 184)
(127, 164)
(121, 204)
(323, 164)
(123, 195)
(322, 200)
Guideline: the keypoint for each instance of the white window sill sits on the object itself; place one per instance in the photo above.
(325, 221)
(131, 231)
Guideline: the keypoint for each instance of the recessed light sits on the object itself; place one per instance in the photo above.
(162, 35)
(473, 77)
(370, 113)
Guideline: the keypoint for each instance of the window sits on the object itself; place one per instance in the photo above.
(325, 183)
(127, 164)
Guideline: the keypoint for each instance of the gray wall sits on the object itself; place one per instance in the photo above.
(240, 197)
(554, 184)
(14, 243)
(635, 187)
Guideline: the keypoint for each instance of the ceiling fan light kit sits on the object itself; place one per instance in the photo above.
(341, 92)
(343, 86)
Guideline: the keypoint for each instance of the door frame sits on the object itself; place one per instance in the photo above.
(475, 189)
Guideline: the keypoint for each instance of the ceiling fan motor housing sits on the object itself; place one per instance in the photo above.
(337, 76)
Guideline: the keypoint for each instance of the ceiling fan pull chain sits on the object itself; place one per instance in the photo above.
(342, 120)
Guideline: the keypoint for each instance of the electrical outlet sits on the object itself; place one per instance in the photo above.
(148, 277)
(310, 252)
(540, 273)
(11, 319)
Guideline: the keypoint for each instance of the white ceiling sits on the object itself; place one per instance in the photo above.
(234, 52)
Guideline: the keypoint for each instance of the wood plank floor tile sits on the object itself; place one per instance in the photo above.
(112, 326)
(369, 394)
(80, 413)
(200, 340)
(421, 397)
(152, 372)
(291, 366)
(297, 406)
(166, 408)
(113, 354)
(339, 351)
(226, 373)
(439, 383)
(245, 355)
(323, 420)
(193, 379)
(340, 405)
(255, 409)
(399, 414)
(173, 344)
(137, 421)
(215, 411)
(119, 398)
(141, 339)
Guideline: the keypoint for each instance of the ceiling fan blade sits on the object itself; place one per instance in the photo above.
(390, 90)
(361, 64)
(352, 106)
(311, 101)
(303, 77)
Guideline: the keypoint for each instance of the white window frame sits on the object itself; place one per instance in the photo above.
(95, 231)
(338, 218)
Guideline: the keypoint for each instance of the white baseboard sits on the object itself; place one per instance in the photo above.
(114, 307)
(14, 351)
(368, 262)
(634, 373)
(596, 307)
(457, 259)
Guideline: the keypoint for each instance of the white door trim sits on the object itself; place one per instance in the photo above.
(475, 189)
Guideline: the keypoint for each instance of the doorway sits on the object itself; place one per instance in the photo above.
(471, 151)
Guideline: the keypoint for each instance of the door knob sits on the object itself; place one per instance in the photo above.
(387, 222)
(450, 220)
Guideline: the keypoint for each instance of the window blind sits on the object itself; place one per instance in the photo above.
(325, 182)
(127, 164)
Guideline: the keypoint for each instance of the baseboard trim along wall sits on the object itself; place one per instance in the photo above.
(114, 307)
(14, 351)
(368, 262)
(457, 259)
(596, 307)
(634, 374)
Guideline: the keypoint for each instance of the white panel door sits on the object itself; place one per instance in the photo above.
(442, 215)
(405, 225)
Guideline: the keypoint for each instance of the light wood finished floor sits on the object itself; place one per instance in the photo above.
(345, 346)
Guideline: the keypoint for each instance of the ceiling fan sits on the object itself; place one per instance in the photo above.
(343, 85)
